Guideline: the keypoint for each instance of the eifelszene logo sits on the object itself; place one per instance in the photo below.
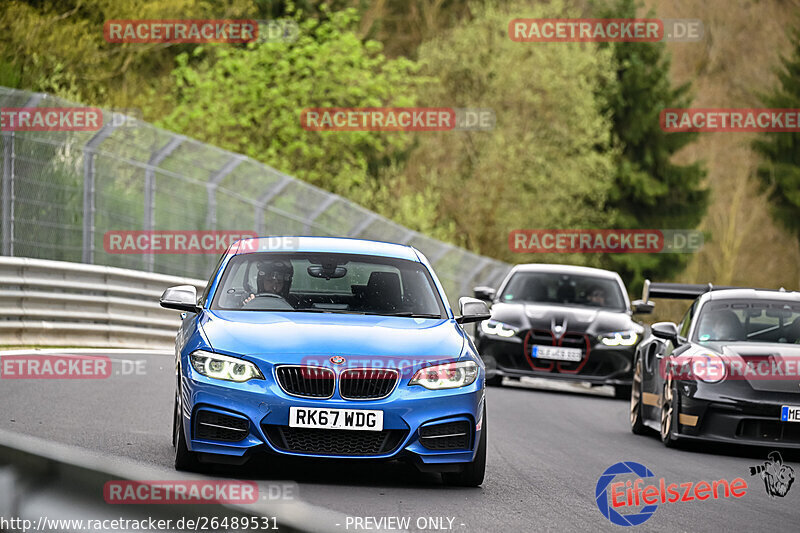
(628, 495)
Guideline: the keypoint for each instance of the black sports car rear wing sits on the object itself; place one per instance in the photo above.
(683, 291)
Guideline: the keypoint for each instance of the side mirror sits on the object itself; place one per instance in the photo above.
(665, 330)
(180, 297)
(472, 310)
(486, 294)
(640, 307)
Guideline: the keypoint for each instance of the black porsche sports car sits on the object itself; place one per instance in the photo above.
(728, 372)
(561, 322)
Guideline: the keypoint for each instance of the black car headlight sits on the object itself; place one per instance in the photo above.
(446, 376)
(225, 367)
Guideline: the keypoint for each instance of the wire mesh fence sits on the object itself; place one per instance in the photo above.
(63, 191)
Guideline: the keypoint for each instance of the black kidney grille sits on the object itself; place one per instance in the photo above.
(306, 381)
(334, 441)
(209, 425)
(446, 436)
(366, 383)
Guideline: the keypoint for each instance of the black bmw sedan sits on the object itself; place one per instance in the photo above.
(561, 322)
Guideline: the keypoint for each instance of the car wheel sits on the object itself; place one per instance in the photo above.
(473, 473)
(668, 414)
(185, 460)
(637, 424)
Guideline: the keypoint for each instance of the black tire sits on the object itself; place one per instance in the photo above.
(622, 392)
(472, 473)
(637, 423)
(668, 413)
(185, 460)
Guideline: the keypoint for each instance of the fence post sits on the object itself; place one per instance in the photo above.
(9, 168)
(361, 226)
(149, 219)
(211, 188)
(87, 255)
(329, 201)
(267, 198)
(480, 264)
(8, 193)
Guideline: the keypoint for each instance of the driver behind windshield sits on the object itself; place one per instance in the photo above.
(721, 325)
(273, 277)
(597, 296)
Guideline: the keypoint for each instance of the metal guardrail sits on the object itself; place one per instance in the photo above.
(44, 482)
(63, 191)
(56, 303)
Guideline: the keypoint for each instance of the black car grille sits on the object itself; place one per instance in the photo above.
(306, 381)
(769, 430)
(366, 384)
(446, 436)
(568, 340)
(334, 441)
(209, 425)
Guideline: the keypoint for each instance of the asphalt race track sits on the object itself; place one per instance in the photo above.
(547, 449)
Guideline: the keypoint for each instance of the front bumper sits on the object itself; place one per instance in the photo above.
(265, 408)
(733, 412)
(601, 364)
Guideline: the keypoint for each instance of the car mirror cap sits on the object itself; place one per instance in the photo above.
(484, 293)
(666, 330)
(472, 310)
(640, 307)
(180, 298)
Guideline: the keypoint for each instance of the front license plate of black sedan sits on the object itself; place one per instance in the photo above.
(790, 413)
(356, 419)
(557, 353)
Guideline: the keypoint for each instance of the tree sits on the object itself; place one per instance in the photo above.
(266, 87)
(548, 162)
(649, 192)
(779, 174)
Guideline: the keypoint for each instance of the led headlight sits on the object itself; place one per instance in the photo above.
(619, 338)
(218, 366)
(446, 376)
(493, 327)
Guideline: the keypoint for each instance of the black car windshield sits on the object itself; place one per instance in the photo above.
(564, 289)
(749, 321)
(328, 283)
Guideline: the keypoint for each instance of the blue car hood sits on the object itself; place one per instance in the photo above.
(301, 334)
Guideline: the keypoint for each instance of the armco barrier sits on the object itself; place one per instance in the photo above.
(56, 303)
(44, 482)
(62, 192)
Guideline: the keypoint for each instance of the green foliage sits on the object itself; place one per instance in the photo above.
(549, 161)
(649, 191)
(780, 172)
(58, 47)
(267, 86)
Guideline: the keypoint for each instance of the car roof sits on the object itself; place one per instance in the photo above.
(325, 244)
(752, 294)
(565, 269)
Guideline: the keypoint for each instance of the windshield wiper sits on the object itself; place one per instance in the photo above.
(409, 314)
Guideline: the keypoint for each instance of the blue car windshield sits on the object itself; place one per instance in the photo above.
(328, 282)
(564, 289)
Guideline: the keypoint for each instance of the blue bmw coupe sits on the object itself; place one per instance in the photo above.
(328, 347)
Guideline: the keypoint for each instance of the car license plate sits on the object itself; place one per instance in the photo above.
(790, 413)
(557, 353)
(357, 419)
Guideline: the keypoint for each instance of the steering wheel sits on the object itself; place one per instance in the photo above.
(263, 294)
